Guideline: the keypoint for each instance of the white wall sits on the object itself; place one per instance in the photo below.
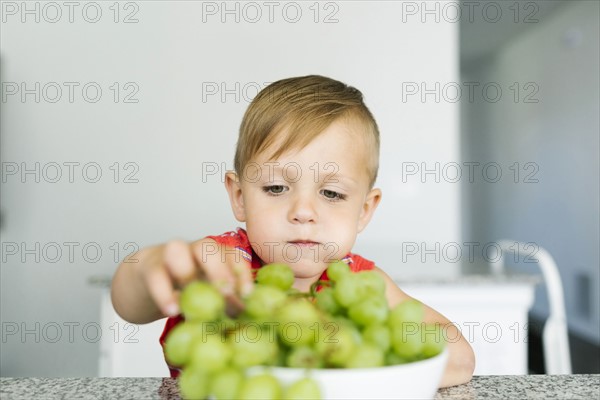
(170, 54)
(559, 135)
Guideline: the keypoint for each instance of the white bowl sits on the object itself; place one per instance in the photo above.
(416, 380)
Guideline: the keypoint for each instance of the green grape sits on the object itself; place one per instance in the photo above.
(326, 332)
(178, 344)
(304, 388)
(201, 302)
(193, 383)
(298, 322)
(260, 387)
(407, 341)
(372, 310)
(281, 358)
(338, 348)
(349, 290)
(326, 301)
(264, 301)
(251, 345)
(293, 334)
(228, 324)
(336, 270)
(348, 325)
(304, 357)
(407, 311)
(366, 355)
(434, 340)
(276, 275)
(391, 358)
(373, 281)
(379, 335)
(210, 353)
(226, 383)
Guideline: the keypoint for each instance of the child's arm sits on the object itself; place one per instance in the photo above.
(461, 360)
(147, 290)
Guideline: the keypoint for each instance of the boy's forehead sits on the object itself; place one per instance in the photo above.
(339, 150)
(346, 130)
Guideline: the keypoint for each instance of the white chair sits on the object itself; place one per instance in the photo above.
(555, 337)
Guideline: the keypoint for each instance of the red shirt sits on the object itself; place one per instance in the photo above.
(239, 240)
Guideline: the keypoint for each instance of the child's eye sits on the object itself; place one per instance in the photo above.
(274, 189)
(332, 195)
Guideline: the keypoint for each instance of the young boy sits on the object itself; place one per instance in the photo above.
(305, 165)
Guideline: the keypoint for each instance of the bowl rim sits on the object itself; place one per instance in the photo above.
(443, 355)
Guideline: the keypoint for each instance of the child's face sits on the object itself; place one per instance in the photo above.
(306, 208)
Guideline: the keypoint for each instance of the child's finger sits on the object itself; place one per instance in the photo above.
(161, 291)
(179, 261)
(234, 305)
(244, 280)
(214, 267)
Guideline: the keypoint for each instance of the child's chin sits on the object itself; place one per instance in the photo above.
(307, 268)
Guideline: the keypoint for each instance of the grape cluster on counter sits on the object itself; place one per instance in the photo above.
(346, 324)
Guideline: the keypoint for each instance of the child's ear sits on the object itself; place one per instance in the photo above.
(234, 188)
(368, 209)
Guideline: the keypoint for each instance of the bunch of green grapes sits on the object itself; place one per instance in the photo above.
(346, 324)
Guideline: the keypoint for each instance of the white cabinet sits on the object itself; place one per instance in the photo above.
(130, 350)
(492, 316)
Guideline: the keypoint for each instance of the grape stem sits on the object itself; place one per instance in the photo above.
(314, 286)
(300, 295)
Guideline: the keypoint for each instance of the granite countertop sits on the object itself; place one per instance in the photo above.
(583, 387)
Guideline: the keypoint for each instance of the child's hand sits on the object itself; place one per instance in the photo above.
(165, 270)
(205, 259)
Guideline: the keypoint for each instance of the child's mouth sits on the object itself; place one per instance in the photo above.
(304, 243)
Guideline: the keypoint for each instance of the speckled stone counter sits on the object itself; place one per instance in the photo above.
(526, 387)
(585, 387)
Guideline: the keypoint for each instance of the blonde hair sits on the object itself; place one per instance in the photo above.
(297, 110)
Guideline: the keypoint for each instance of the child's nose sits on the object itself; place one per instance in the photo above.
(303, 210)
